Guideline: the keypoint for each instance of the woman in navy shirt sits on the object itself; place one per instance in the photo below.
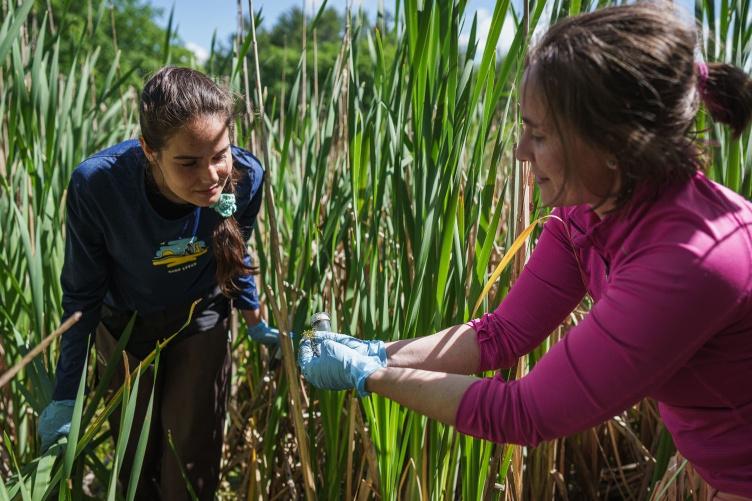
(153, 225)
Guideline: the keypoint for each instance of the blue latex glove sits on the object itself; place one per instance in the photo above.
(373, 348)
(336, 367)
(262, 333)
(55, 421)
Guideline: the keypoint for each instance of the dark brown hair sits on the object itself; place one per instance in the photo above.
(624, 79)
(171, 98)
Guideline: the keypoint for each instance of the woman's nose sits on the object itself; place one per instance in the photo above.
(213, 172)
(521, 151)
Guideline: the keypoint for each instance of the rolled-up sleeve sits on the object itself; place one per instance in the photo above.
(548, 289)
(659, 309)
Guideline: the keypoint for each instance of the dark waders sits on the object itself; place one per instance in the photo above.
(189, 397)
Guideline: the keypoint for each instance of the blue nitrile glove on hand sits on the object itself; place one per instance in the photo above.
(330, 365)
(374, 348)
(55, 421)
(262, 333)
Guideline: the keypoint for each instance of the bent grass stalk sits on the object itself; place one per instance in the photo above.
(7, 376)
(279, 301)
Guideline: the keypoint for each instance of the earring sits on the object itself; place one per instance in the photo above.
(611, 164)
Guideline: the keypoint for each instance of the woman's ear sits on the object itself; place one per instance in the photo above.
(151, 155)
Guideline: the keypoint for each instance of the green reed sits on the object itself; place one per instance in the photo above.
(395, 195)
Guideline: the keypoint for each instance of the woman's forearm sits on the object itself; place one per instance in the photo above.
(251, 317)
(454, 350)
(433, 394)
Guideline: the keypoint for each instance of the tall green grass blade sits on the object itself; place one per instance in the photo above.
(104, 381)
(42, 475)
(169, 33)
(128, 406)
(21, 485)
(661, 494)
(3, 491)
(75, 427)
(664, 450)
(9, 32)
(180, 463)
(138, 458)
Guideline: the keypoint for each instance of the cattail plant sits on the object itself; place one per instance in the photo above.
(395, 195)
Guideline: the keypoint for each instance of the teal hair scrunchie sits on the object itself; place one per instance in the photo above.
(225, 206)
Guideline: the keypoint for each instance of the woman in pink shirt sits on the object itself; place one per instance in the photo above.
(608, 102)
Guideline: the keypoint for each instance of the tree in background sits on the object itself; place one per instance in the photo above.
(280, 49)
(111, 25)
(130, 26)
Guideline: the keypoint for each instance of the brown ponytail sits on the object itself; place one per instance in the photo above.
(229, 248)
(171, 98)
(727, 95)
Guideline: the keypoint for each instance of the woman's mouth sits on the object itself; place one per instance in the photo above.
(210, 191)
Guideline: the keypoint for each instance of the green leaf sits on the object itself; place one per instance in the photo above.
(9, 32)
(167, 46)
(75, 428)
(42, 475)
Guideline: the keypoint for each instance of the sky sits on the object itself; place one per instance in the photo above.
(196, 23)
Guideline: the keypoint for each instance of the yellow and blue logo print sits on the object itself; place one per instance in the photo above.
(177, 252)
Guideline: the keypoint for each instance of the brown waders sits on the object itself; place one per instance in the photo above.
(190, 396)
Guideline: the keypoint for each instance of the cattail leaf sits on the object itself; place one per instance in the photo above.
(11, 26)
(75, 427)
(138, 458)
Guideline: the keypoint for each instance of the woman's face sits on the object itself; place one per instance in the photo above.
(541, 145)
(195, 163)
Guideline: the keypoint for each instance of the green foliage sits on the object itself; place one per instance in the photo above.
(728, 39)
(288, 29)
(280, 51)
(122, 28)
(395, 193)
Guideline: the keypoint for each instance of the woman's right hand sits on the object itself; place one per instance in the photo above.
(334, 366)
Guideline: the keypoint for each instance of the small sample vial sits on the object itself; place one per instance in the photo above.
(320, 321)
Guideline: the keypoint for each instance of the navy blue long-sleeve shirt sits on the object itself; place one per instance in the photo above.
(121, 252)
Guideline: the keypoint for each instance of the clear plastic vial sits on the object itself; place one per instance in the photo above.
(321, 321)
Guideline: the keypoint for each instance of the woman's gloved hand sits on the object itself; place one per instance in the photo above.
(330, 365)
(374, 348)
(262, 333)
(55, 421)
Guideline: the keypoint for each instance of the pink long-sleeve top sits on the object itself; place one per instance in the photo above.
(672, 320)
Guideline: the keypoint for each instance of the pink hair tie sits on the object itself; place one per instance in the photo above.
(702, 76)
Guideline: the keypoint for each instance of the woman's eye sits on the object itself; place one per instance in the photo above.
(219, 157)
(190, 164)
(535, 137)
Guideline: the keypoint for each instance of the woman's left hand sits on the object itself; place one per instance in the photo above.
(374, 348)
(264, 334)
(335, 366)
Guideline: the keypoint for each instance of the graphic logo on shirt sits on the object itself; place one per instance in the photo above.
(177, 252)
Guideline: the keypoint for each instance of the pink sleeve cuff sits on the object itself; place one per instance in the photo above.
(491, 349)
(464, 420)
(492, 409)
